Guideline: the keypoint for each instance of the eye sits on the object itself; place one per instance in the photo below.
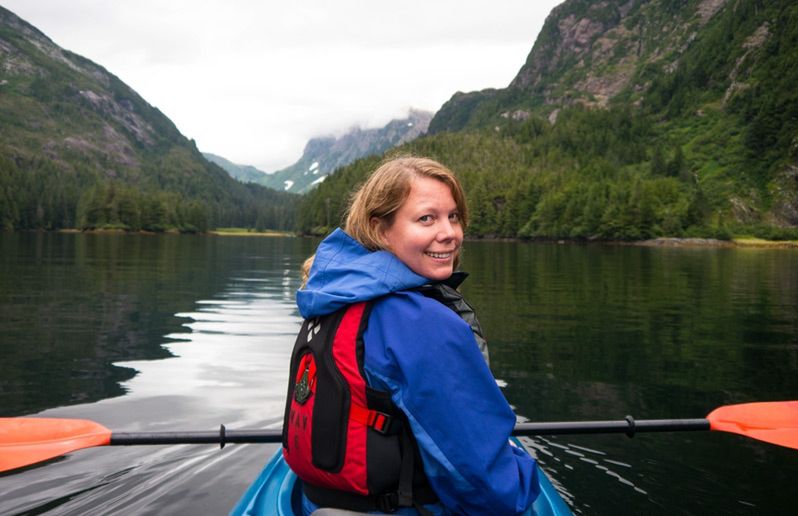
(425, 218)
(454, 217)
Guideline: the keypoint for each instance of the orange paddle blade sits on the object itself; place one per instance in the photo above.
(26, 441)
(774, 422)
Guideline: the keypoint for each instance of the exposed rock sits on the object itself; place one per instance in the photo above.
(707, 9)
(784, 190)
(685, 242)
(578, 34)
(520, 114)
(752, 43)
(744, 210)
(122, 111)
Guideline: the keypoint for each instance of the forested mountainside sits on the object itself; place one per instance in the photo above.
(630, 119)
(79, 148)
(324, 155)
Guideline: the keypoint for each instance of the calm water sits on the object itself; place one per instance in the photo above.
(184, 333)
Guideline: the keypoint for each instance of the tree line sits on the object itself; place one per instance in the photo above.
(615, 174)
(40, 194)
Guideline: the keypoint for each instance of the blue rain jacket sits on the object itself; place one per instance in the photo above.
(426, 356)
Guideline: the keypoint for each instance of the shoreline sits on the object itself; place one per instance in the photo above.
(266, 233)
(738, 242)
(213, 232)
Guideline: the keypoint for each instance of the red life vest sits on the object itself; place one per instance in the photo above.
(348, 443)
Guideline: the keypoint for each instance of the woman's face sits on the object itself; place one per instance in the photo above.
(426, 233)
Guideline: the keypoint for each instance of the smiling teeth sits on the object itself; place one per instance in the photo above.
(439, 255)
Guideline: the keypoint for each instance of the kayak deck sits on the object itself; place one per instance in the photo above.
(276, 491)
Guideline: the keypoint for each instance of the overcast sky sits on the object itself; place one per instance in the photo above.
(253, 80)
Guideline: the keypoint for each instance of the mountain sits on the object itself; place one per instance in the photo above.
(322, 156)
(243, 173)
(79, 148)
(630, 119)
(594, 54)
(716, 77)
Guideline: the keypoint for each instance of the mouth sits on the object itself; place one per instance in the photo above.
(440, 256)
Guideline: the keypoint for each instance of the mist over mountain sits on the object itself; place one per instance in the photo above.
(324, 155)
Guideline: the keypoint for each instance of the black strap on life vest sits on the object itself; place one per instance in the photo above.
(406, 495)
(446, 293)
(413, 489)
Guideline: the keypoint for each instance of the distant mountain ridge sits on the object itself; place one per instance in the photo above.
(324, 155)
(243, 173)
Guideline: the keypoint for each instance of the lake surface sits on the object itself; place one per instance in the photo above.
(151, 333)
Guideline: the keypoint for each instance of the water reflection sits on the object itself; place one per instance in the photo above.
(598, 332)
(226, 362)
(232, 352)
(197, 331)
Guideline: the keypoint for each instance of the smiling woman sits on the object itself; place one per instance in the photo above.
(425, 233)
(386, 357)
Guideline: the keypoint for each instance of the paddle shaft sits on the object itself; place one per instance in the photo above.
(220, 437)
(223, 436)
(628, 426)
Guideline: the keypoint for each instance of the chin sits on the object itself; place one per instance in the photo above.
(439, 275)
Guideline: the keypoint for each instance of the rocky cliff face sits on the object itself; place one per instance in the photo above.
(589, 53)
(70, 104)
(324, 155)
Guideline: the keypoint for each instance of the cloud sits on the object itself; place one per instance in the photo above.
(253, 80)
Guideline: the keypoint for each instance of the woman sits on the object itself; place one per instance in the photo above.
(390, 404)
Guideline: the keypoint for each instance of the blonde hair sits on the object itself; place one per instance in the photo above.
(384, 192)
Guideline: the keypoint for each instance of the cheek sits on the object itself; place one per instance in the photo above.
(396, 237)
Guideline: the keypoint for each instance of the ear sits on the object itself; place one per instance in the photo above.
(378, 227)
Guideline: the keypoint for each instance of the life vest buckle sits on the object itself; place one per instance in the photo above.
(380, 422)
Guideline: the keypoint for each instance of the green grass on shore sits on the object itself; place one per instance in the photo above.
(248, 232)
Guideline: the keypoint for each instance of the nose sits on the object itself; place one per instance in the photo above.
(446, 230)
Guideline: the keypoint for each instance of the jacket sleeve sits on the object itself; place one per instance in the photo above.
(426, 356)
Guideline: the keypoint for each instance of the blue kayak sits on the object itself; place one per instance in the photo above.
(277, 492)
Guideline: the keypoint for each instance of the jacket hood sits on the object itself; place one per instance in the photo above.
(345, 272)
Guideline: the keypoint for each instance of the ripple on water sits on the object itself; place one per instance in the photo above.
(230, 366)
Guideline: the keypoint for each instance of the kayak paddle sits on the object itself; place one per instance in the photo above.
(26, 441)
